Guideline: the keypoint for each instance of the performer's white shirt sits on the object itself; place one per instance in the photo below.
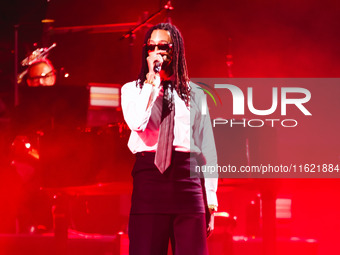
(192, 129)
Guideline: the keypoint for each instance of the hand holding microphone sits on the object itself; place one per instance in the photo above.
(157, 66)
(155, 62)
(153, 77)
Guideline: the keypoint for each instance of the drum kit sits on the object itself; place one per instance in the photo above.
(75, 163)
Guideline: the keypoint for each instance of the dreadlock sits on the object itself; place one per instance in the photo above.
(179, 65)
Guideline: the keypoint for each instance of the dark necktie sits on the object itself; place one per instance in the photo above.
(166, 130)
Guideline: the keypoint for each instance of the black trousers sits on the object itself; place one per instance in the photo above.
(149, 234)
(167, 206)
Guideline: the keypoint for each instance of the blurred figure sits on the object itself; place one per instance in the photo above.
(29, 122)
(41, 73)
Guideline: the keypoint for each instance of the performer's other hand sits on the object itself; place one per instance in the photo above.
(211, 223)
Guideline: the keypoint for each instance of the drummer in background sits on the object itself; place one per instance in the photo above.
(33, 212)
(41, 73)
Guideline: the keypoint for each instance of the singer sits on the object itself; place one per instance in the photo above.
(170, 137)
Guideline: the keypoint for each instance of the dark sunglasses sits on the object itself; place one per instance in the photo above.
(163, 46)
(46, 76)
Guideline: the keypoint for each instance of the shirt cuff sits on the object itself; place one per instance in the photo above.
(210, 190)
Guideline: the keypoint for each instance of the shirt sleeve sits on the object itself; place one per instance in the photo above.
(208, 151)
(135, 105)
(210, 155)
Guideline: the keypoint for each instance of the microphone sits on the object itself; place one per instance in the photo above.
(157, 67)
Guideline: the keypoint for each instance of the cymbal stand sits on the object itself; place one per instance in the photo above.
(166, 8)
(16, 63)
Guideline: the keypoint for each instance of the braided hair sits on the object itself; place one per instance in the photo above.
(179, 66)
